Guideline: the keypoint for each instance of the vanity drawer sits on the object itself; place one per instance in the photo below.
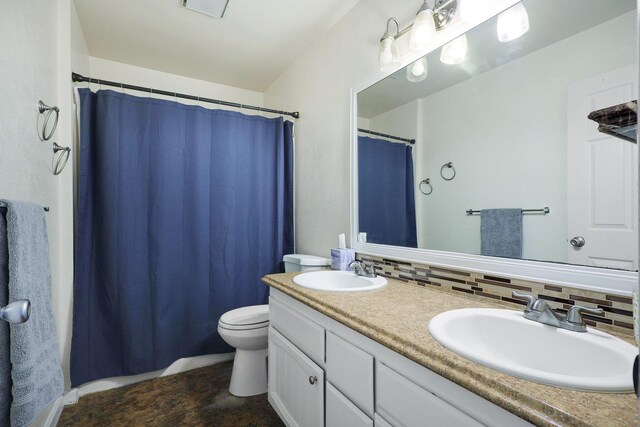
(350, 370)
(305, 334)
(403, 403)
(340, 412)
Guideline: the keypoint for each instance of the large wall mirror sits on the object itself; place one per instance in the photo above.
(502, 126)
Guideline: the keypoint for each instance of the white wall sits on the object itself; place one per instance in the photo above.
(401, 121)
(505, 141)
(119, 72)
(29, 69)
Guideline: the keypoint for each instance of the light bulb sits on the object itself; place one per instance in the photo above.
(387, 57)
(513, 23)
(417, 71)
(423, 30)
(386, 53)
(455, 51)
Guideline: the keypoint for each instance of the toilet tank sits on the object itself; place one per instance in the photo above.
(301, 262)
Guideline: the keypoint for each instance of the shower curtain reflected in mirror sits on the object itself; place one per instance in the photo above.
(386, 201)
(181, 211)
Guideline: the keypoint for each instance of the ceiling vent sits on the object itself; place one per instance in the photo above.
(215, 8)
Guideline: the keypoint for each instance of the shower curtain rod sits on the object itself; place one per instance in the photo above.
(79, 78)
(384, 135)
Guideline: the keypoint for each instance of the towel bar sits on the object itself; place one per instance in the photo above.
(4, 208)
(544, 210)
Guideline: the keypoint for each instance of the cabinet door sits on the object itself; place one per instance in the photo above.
(342, 413)
(404, 404)
(296, 384)
(351, 371)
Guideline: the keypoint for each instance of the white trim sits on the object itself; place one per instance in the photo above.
(582, 277)
(353, 152)
(294, 186)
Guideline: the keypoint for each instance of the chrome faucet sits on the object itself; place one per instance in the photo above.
(365, 271)
(539, 311)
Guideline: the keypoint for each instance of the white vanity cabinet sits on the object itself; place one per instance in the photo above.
(323, 373)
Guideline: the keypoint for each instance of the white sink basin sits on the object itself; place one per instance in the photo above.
(504, 340)
(341, 281)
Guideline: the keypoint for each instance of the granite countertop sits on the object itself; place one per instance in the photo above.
(397, 316)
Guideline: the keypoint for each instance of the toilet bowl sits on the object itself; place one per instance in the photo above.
(246, 329)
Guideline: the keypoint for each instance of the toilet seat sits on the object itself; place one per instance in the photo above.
(246, 318)
(243, 327)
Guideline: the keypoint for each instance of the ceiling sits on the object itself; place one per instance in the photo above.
(248, 48)
(550, 22)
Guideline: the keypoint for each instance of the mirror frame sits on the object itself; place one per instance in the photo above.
(584, 277)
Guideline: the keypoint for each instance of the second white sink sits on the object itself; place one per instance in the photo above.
(341, 281)
(504, 340)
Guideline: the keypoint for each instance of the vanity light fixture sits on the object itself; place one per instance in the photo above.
(417, 71)
(455, 51)
(388, 55)
(513, 23)
(429, 20)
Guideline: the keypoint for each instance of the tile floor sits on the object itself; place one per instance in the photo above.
(195, 398)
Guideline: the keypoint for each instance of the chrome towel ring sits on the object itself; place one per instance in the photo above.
(60, 158)
(47, 111)
(450, 166)
(426, 181)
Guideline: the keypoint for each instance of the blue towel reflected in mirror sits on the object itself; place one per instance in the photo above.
(501, 233)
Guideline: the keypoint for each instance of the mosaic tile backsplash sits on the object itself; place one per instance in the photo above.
(618, 310)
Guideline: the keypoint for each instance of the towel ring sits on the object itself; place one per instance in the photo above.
(61, 157)
(428, 182)
(450, 166)
(47, 111)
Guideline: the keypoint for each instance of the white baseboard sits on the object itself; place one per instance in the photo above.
(181, 365)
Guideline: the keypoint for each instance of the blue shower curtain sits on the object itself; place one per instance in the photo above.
(386, 201)
(181, 211)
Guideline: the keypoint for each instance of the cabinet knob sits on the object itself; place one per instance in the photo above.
(313, 380)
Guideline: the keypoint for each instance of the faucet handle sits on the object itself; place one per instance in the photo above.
(355, 264)
(574, 315)
(530, 299)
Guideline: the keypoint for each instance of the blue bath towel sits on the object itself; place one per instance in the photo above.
(35, 362)
(501, 232)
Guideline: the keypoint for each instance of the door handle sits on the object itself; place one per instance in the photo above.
(577, 242)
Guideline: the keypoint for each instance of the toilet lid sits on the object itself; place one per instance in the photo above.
(252, 315)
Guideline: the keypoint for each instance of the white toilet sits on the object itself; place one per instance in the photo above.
(246, 329)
